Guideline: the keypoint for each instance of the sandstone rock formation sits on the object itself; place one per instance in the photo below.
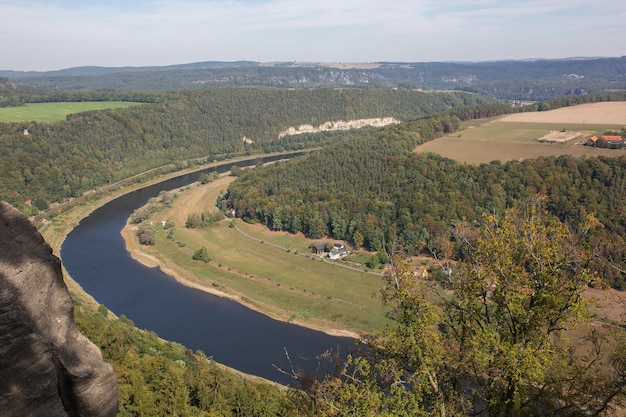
(47, 367)
(339, 125)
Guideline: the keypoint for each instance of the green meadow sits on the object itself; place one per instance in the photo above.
(272, 276)
(51, 112)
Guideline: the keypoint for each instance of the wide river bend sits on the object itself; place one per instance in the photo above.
(95, 256)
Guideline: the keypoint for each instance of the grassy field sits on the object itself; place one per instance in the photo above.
(50, 112)
(273, 272)
(515, 137)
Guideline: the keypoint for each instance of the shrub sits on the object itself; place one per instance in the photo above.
(146, 236)
(201, 255)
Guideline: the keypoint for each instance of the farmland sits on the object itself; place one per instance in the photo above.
(51, 112)
(516, 136)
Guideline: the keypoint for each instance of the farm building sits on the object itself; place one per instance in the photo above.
(611, 141)
(319, 248)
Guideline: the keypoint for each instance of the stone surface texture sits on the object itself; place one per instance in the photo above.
(47, 367)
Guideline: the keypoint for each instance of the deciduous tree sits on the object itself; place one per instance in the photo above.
(499, 344)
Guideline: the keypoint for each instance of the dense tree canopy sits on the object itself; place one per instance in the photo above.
(58, 160)
(372, 191)
(493, 346)
(500, 344)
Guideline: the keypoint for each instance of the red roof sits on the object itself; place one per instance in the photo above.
(611, 138)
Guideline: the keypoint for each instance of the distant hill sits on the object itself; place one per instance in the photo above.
(532, 80)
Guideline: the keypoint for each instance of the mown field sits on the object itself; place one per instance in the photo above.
(273, 272)
(515, 136)
(50, 112)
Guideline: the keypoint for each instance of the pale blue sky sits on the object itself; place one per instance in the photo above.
(55, 34)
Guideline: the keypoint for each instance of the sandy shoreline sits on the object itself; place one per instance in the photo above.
(134, 249)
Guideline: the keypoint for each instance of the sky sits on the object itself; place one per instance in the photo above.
(43, 35)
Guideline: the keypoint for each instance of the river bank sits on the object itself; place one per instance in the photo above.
(188, 278)
(60, 226)
(55, 229)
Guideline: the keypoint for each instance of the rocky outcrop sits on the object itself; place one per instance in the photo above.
(339, 125)
(47, 367)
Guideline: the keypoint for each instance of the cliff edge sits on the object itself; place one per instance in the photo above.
(47, 367)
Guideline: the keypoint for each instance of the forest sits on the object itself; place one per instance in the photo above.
(514, 337)
(56, 161)
(374, 192)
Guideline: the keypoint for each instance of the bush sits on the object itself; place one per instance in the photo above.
(206, 178)
(203, 219)
(103, 310)
(201, 255)
(146, 236)
(40, 203)
(141, 214)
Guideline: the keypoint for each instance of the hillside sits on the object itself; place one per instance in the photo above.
(60, 160)
(512, 80)
(373, 191)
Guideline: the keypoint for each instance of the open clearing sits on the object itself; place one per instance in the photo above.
(50, 112)
(517, 136)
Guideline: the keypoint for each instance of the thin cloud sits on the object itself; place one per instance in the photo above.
(62, 33)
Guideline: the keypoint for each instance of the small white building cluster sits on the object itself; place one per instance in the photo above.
(338, 251)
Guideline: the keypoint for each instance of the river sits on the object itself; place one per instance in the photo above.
(95, 256)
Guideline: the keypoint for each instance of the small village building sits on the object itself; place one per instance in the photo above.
(613, 141)
(319, 248)
(337, 253)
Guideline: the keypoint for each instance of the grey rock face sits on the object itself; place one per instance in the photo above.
(47, 367)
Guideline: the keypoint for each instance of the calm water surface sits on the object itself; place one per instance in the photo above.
(95, 256)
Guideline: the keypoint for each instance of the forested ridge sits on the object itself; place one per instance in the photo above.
(49, 162)
(514, 337)
(534, 80)
(373, 191)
